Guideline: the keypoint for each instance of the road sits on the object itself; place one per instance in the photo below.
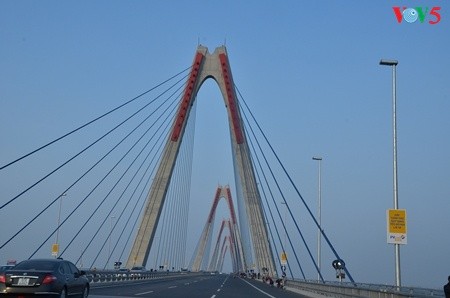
(213, 286)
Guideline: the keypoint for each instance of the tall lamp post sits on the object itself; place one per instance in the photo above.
(109, 238)
(394, 63)
(57, 227)
(285, 214)
(284, 255)
(319, 233)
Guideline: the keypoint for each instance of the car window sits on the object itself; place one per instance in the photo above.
(138, 268)
(66, 269)
(73, 268)
(36, 265)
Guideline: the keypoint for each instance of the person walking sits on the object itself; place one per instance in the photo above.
(447, 289)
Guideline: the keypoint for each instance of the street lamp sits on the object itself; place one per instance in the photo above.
(319, 233)
(285, 216)
(284, 256)
(109, 240)
(59, 222)
(394, 63)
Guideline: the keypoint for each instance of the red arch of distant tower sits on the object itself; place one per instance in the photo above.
(231, 239)
(223, 251)
(217, 198)
(230, 223)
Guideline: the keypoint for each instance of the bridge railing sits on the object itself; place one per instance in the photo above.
(97, 276)
(345, 290)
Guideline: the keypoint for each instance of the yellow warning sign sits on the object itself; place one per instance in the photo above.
(55, 249)
(396, 225)
(283, 258)
(397, 221)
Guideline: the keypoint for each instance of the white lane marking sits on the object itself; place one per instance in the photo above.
(171, 287)
(139, 294)
(213, 296)
(267, 294)
(116, 285)
(218, 290)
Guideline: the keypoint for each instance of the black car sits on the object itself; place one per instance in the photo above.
(44, 277)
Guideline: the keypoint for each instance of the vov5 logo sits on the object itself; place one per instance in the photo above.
(411, 15)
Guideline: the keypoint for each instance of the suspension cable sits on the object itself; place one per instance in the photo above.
(101, 181)
(92, 121)
(258, 170)
(298, 193)
(85, 149)
(287, 206)
(145, 146)
(79, 179)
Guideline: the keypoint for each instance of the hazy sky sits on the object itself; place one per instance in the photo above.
(310, 72)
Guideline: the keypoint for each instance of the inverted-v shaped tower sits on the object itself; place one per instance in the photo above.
(236, 250)
(217, 67)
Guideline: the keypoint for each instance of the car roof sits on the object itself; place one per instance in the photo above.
(45, 260)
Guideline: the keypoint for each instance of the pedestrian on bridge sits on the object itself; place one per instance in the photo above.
(447, 289)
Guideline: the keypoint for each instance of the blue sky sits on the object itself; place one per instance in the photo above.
(308, 69)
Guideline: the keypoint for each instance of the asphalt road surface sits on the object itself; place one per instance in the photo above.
(213, 286)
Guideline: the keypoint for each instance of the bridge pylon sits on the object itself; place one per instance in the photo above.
(236, 250)
(217, 67)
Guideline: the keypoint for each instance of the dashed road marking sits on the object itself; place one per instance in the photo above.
(139, 294)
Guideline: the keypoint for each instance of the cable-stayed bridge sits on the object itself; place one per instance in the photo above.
(127, 191)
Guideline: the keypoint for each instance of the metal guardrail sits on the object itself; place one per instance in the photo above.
(345, 290)
(98, 276)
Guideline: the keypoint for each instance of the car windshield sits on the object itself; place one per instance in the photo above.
(137, 268)
(36, 265)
